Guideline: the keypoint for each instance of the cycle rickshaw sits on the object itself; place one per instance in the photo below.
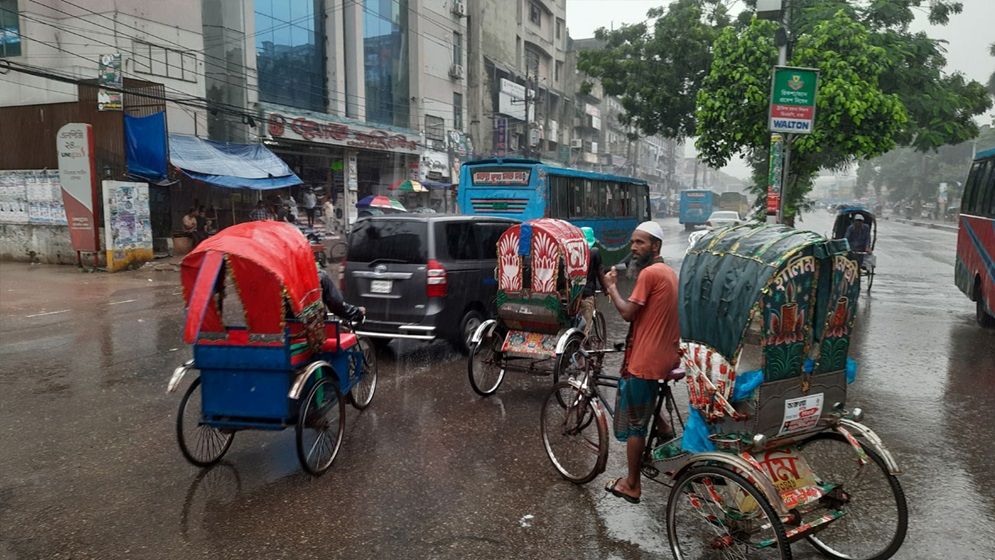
(845, 216)
(268, 358)
(769, 454)
(542, 268)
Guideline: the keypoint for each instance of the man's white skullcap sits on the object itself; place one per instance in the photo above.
(651, 228)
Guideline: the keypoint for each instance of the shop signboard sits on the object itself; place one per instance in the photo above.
(281, 125)
(127, 224)
(792, 99)
(434, 165)
(511, 101)
(110, 76)
(77, 175)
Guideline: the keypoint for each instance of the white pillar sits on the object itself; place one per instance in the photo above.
(335, 56)
(354, 61)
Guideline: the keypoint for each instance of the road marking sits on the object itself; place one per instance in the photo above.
(125, 301)
(46, 313)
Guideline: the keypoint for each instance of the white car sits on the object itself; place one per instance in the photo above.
(722, 218)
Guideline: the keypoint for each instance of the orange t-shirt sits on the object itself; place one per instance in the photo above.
(655, 334)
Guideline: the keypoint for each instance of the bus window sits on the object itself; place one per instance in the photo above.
(576, 197)
(984, 189)
(600, 199)
(972, 188)
(642, 202)
(558, 199)
(590, 198)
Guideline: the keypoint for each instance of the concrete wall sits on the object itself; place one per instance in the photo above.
(36, 243)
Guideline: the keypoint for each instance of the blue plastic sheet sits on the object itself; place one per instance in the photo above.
(745, 383)
(250, 166)
(851, 370)
(145, 146)
(695, 438)
(525, 240)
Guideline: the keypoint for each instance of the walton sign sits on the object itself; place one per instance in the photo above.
(792, 99)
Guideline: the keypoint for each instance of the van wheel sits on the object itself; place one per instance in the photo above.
(471, 320)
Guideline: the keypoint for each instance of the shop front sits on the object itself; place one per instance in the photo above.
(342, 159)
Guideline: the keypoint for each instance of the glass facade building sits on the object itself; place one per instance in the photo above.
(385, 56)
(290, 52)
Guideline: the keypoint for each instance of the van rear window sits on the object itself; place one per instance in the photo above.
(391, 240)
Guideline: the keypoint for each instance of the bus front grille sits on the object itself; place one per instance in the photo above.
(499, 205)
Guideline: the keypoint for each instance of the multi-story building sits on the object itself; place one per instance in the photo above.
(355, 95)
(518, 79)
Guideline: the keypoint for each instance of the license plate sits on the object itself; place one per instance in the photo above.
(381, 286)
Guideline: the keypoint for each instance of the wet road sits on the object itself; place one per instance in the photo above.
(89, 466)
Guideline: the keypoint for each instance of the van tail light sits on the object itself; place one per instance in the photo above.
(436, 284)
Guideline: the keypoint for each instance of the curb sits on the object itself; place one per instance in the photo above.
(930, 225)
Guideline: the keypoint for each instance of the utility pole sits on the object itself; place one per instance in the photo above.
(528, 124)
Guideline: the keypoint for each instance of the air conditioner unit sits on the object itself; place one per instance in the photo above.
(577, 143)
(459, 8)
(456, 71)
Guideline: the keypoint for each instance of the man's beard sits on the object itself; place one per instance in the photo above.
(643, 261)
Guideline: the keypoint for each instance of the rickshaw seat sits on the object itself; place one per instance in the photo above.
(331, 344)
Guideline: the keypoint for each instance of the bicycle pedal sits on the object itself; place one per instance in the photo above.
(649, 471)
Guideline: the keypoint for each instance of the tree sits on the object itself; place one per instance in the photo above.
(991, 80)
(855, 117)
(939, 109)
(656, 74)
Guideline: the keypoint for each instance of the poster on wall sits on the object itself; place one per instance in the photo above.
(77, 173)
(31, 197)
(127, 224)
(110, 76)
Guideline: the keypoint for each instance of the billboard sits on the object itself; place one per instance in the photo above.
(77, 175)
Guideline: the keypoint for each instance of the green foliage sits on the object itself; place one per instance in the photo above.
(655, 68)
(854, 118)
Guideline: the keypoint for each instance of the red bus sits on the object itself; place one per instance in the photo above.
(974, 272)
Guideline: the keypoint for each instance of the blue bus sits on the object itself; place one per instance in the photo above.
(526, 189)
(696, 207)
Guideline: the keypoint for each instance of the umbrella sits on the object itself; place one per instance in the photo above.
(408, 185)
(379, 201)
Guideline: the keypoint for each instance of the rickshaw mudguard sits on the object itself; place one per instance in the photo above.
(870, 439)
(561, 344)
(743, 467)
(485, 327)
(300, 380)
(178, 373)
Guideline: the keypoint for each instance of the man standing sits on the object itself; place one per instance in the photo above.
(595, 277)
(310, 206)
(650, 352)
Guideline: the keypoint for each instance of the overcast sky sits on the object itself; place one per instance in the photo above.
(968, 35)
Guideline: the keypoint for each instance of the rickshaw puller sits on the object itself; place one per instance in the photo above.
(334, 301)
(595, 278)
(651, 351)
(858, 235)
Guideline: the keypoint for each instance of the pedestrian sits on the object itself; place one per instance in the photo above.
(260, 212)
(292, 210)
(651, 352)
(328, 211)
(595, 278)
(310, 206)
(202, 222)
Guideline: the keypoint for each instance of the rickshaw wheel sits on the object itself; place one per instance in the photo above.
(483, 365)
(574, 434)
(204, 445)
(877, 514)
(361, 393)
(321, 419)
(714, 512)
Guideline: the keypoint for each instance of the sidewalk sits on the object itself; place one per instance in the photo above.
(931, 224)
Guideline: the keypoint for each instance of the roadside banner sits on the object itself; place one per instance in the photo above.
(77, 175)
(774, 174)
(792, 99)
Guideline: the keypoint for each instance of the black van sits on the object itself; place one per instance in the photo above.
(424, 276)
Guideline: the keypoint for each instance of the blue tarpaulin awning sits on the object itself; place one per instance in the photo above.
(250, 166)
(145, 146)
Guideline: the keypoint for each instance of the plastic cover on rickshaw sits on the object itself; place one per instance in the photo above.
(274, 272)
(542, 268)
(789, 297)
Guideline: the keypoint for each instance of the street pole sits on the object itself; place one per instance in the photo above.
(782, 60)
(528, 125)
